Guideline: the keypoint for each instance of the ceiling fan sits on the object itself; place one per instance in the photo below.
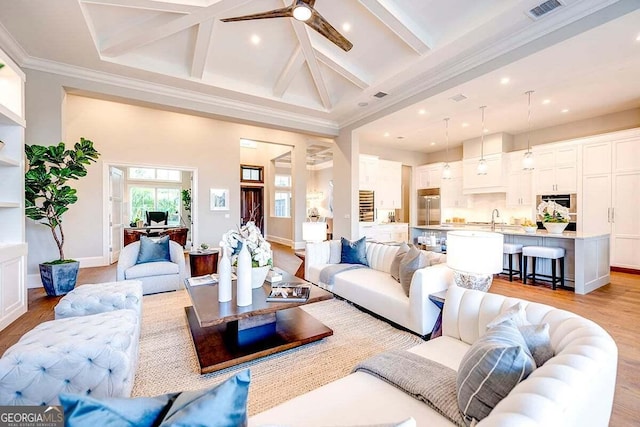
(302, 10)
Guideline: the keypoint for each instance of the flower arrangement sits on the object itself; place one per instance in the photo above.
(553, 212)
(250, 234)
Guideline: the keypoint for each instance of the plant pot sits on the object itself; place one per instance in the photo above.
(258, 276)
(59, 279)
(555, 227)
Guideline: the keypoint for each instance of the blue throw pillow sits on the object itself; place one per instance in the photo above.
(153, 251)
(224, 405)
(354, 252)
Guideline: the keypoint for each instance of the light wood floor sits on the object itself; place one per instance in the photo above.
(616, 307)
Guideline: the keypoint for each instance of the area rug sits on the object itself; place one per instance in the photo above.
(168, 362)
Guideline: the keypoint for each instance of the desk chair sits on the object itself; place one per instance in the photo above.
(156, 218)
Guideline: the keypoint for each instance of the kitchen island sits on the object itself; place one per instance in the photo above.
(586, 255)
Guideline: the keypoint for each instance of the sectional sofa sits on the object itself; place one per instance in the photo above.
(375, 290)
(573, 388)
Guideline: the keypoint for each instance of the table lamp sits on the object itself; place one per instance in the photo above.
(474, 257)
(314, 231)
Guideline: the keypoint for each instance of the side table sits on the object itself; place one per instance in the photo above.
(438, 299)
(203, 262)
(300, 270)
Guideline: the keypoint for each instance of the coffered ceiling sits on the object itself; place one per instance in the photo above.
(582, 56)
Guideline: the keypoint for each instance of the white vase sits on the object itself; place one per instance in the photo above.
(258, 276)
(243, 271)
(224, 276)
(555, 227)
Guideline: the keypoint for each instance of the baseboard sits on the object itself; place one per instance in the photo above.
(625, 270)
(33, 280)
(299, 245)
(280, 240)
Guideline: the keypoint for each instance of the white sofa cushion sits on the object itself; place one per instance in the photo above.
(151, 269)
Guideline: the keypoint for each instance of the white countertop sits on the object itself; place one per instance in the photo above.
(511, 230)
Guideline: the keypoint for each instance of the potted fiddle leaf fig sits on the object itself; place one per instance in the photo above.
(48, 197)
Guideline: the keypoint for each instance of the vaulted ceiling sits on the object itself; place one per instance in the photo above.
(418, 52)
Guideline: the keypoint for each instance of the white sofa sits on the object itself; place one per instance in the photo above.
(375, 290)
(573, 388)
(156, 277)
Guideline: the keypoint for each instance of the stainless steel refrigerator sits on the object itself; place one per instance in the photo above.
(429, 206)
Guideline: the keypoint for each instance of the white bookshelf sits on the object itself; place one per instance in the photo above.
(13, 247)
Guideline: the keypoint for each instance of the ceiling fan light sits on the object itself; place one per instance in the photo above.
(482, 167)
(446, 171)
(527, 161)
(301, 12)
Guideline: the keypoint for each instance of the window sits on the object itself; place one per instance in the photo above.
(282, 196)
(152, 174)
(251, 173)
(148, 198)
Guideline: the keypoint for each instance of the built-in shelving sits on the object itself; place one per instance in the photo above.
(13, 246)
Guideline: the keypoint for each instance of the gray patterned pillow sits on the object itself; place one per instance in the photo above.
(490, 369)
(412, 261)
(395, 264)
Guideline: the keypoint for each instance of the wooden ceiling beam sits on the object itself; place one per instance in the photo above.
(402, 26)
(350, 75)
(141, 35)
(312, 62)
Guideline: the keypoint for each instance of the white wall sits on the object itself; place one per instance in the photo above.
(319, 183)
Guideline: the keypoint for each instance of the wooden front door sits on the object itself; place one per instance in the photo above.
(252, 206)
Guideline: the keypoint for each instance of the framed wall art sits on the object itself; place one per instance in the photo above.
(219, 199)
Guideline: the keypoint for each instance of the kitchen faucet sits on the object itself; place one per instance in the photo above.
(495, 212)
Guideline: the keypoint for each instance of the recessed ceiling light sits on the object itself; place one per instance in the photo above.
(638, 38)
(546, 102)
(485, 130)
(255, 39)
(346, 27)
(422, 111)
(566, 110)
(432, 144)
(386, 134)
(504, 80)
(465, 125)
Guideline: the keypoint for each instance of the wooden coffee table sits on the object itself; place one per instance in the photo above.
(226, 335)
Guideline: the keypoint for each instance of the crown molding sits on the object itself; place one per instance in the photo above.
(11, 46)
(222, 107)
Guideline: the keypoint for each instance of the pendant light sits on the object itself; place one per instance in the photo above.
(446, 171)
(527, 160)
(482, 164)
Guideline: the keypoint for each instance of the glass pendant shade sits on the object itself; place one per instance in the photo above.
(482, 167)
(446, 171)
(527, 161)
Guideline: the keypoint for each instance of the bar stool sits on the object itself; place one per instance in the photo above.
(548, 252)
(512, 249)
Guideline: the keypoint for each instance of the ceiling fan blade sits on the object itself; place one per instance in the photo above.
(321, 25)
(286, 12)
(310, 3)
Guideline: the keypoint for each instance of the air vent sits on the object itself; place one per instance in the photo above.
(380, 95)
(457, 98)
(544, 8)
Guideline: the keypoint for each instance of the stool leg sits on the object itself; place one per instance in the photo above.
(562, 272)
(511, 267)
(553, 274)
(524, 267)
(533, 270)
(520, 264)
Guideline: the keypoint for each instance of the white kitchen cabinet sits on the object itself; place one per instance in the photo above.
(389, 185)
(368, 173)
(519, 181)
(610, 196)
(494, 181)
(428, 176)
(556, 169)
(13, 248)
(451, 194)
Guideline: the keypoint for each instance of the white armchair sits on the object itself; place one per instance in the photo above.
(156, 277)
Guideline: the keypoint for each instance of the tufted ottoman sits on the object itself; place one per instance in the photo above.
(93, 355)
(101, 297)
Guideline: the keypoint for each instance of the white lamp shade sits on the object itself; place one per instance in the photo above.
(314, 231)
(477, 252)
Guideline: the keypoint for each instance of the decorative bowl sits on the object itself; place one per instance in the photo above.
(530, 229)
(555, 227)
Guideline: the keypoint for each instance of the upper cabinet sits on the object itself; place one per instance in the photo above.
(428, 176)
(519, 181)
(368, 172)
(13, 249)
(494, 181)
(451, 195)
(389, 185)
(556, 169)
